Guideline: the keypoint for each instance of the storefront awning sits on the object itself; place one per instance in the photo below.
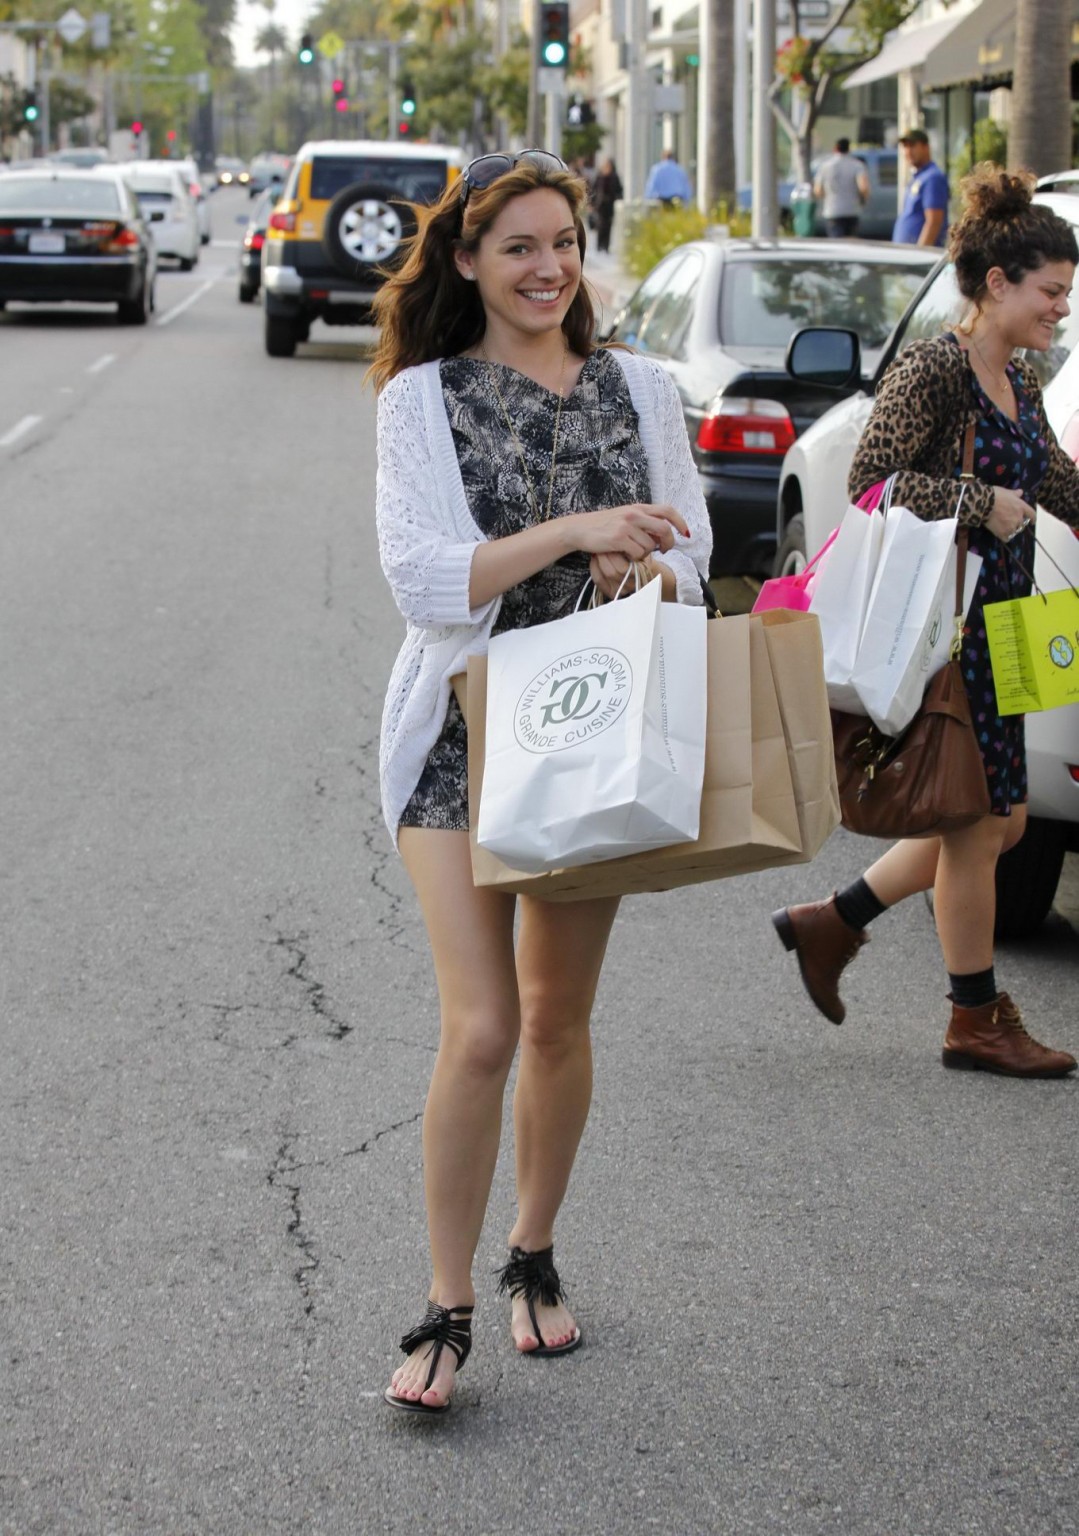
(981, 50)
(904, 50)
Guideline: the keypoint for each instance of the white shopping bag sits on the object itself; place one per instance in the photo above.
(840, 595)
(910, 617)
(595, 730)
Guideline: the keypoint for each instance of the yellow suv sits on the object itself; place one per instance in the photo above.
(339, 224)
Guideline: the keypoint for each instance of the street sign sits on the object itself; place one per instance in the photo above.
(330, 45)
(71, 26)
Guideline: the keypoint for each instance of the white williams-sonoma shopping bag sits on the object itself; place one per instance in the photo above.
(595, 729)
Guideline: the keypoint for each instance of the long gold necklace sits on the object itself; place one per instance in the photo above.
(517, 441)
(1005, 382)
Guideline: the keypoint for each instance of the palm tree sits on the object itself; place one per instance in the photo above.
(1040, 137)
(272, 41)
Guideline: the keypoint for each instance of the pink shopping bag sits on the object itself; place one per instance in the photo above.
(793, 592)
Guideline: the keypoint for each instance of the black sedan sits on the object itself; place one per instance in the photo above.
(718, 315)
(75, 235)
(254, 238)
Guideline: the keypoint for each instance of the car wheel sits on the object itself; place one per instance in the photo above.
(303, 330)
(205, 239)
(791, 554)
(280, 335)
(136, 311)
(365, 227)
(247, 294)
(1027, 878)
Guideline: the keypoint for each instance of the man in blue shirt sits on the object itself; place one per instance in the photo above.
(924, 219)
(667, 181)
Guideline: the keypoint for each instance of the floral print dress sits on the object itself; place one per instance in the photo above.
(1014, 454)
(600, 463)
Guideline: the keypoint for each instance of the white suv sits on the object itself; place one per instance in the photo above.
(813, 498)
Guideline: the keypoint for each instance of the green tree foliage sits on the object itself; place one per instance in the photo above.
(990, 142)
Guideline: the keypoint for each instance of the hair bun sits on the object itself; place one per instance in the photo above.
(992, 193)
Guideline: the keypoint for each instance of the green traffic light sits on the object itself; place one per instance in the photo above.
(554, 54)
(408, 107)
(306, 56)
(30, 114)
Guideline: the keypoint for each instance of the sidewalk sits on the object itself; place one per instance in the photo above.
(610, 281)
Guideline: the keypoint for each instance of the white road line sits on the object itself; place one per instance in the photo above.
(20, 429)
(102, 363)
(177, 309)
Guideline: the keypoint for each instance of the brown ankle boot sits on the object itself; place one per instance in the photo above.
(992, 1039)
(825, 946)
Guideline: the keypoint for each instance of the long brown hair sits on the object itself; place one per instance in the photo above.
(426, 309)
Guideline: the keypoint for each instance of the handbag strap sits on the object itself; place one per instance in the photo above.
(962, 542)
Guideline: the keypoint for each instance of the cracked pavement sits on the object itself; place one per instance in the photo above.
(824, 1286)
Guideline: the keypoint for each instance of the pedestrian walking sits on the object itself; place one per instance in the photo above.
(514, 461)
(606, 191)
(667, 182)
(841, 186)
(1014, 265)
(924, 217)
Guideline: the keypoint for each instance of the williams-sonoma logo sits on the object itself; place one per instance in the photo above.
(573, 699)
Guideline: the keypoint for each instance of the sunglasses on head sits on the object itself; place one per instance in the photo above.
(488, 168)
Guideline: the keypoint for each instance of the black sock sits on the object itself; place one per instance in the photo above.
(858, 906)
(974, 990)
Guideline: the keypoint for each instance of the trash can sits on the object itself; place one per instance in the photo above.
(803, 208)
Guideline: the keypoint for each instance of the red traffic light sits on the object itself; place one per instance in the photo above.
(341, 104)
(404, 127)
(136, 127)
(171, 135)
(339, 87)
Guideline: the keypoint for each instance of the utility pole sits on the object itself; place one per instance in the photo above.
(638, 100)
(765, 214)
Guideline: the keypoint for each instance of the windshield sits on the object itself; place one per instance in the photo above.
(942, 305)
(58, 195)
(763, 302)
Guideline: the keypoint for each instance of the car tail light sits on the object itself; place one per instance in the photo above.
(320, 293)
(195, 189)
(286, 222)
(739, 424)
(1073, 769)
(120, 240)
(254, 242)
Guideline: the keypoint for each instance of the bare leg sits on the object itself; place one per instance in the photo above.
(907, 867)
(966, 894)
(559, 955)
(471, 934)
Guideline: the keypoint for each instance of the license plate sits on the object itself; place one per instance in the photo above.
(46, 245)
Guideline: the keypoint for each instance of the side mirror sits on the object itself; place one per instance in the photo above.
(825, 355)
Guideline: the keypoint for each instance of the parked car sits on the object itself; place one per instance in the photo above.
(231, 172)
(877, 218)
(813, 497)
(718, 315)
(168, 208)
(75, 235)
(254, 238)
(339, 226)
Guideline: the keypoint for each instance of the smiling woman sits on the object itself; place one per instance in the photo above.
(515, 459)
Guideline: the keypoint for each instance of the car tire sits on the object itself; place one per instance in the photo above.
(135, 311)
(1027, 878)
(791, 554)
(366, 225)
(248, 295)
(204, 239)
(281, 335)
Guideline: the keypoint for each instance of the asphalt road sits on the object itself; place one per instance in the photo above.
(825, 1285)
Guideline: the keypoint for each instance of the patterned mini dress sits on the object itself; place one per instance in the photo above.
(1016, 455)
(600, 463)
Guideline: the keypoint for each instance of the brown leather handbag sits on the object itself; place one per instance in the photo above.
(930, 779)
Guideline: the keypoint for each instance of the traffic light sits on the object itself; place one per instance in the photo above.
(340, 101)
(306, 54)
(30, 107)
(554, 34)
(136, 129)
(404, 128)
(408, 99)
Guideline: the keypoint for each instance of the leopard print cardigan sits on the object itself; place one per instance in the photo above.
(916, 429)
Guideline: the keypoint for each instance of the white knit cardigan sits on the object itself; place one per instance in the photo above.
(427, 536)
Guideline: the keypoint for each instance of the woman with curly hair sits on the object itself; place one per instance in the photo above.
(515, 460)
(1014, 263)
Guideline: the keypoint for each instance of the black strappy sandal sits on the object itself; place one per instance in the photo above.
(442, 1327)
(533, 1276)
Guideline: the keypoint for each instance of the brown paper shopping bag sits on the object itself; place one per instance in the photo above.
(749, 818)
